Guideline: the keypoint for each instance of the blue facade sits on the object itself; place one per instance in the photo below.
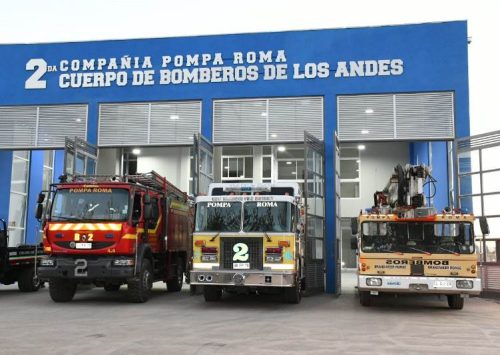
(433, 58)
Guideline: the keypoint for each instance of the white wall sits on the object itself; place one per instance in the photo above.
(377, 162)
(173, 163)
(108, 162)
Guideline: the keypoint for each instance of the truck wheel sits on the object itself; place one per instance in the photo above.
(212, 293)
(365, 298)
(61, 290)
(28, 281)
(111, 287)
(139, 288)
(293, 294)
(175, 284)
(455, 302)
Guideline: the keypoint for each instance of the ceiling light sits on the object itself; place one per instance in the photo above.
(369, 110)
(288, 163)
(264, 114)
(274, 135)
(357, 161)
(365, 131)
(294, 173)
(136, 151)
(361, 147)
(174, 117)
(226, 167)
(78, 120)
(281, 148)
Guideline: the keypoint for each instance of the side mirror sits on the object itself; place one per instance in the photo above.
(354, 226)
(483, 222)
(354, 243)
(41, 198)
(39, 211)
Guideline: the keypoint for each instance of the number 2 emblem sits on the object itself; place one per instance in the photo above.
(241, 252)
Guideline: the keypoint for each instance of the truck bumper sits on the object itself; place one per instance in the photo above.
(87, 269)
(413, 284)
(242, 278)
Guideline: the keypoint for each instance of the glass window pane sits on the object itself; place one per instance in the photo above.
(490, 158)
(349, 152)
(16, 236)
(491, 204)
(297, 153)
(48, 158)
(349, 169)
(240, 167)
(233, 167)
(249, 167)
(266, 167)
(468, 162)
(266, 150)
(23, 154)
(19, 177)
(300, 169)
(237, 150)
(349, 189)
(225, 167)
(491, 182)
(286, 171)
(17, 210)
(47, 178)
(470, 184)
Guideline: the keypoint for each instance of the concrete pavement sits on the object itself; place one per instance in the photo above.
(179, 323)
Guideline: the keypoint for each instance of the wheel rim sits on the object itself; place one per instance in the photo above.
(146, 279)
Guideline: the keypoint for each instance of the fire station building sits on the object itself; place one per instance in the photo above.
(245, 107)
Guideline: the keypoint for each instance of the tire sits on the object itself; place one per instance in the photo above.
(61, 290)
(111, 287)
(28, 281)
(175, 285)
(139, 288)
(365, 299)
(293, 295)
(212, 293)
(455, 302)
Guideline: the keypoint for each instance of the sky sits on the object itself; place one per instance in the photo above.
(35, 21)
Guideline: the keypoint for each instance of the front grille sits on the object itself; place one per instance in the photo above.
(255, 254)
(95, 245)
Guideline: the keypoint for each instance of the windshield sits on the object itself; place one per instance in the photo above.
(267, 216)
(218, 216)
(413, 237)
(90, 204)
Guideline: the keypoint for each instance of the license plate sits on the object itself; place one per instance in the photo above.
(83, 246)
(442, 284)
(241, 266)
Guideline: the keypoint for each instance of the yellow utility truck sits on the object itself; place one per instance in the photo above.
(406, 247)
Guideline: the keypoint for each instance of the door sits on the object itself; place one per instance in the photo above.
(80, 157)
(202, 169)
(314, 197)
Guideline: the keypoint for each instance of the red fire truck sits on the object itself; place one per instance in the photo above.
(115, 230)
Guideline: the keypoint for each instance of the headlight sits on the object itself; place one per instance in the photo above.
(209, 257)
(465, 284)
(373, 281)
(124, 262)
(47, 262)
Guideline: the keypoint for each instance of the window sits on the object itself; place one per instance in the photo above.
(18, 196)
(350, 163)
(267, 163)
(137, 209)
(291, 163)
(48, 169)
(237, 164)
